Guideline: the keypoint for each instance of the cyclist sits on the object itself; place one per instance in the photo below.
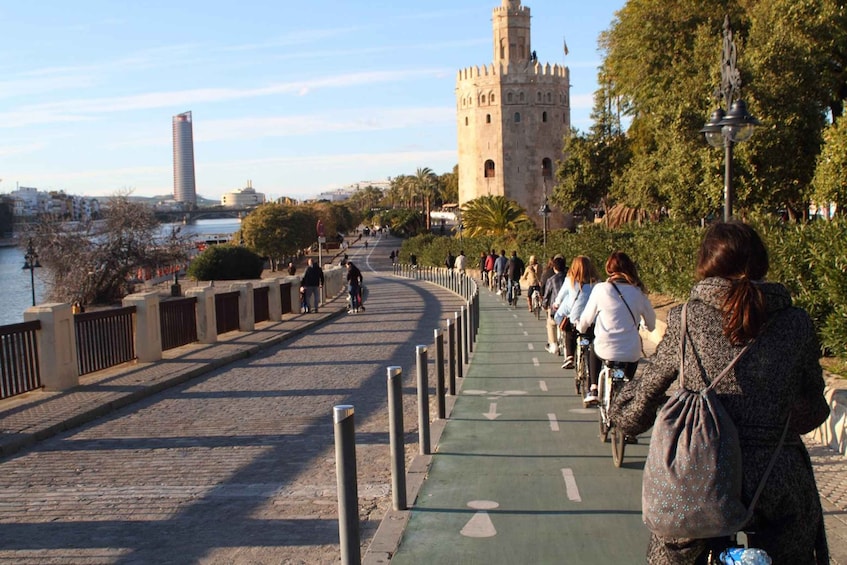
(530, 277)
(514, 270)
(500, 269)
(616, 307)
(489, 268)
(551, 290)
(572, 298)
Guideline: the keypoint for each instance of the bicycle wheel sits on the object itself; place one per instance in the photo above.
(618, 446)
(537, 308)
(604, 406)
(582, 371)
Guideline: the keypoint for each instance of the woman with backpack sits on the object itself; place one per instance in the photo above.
(773, 394)
(616, 308)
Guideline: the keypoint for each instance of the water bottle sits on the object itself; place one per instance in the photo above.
(745, 556)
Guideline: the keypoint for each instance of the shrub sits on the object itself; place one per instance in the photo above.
(226, 263)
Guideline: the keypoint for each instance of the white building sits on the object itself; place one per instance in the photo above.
(243, 198)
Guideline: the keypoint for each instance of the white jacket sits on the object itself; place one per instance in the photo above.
(616, 333)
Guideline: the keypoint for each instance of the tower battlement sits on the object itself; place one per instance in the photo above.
(536, 72)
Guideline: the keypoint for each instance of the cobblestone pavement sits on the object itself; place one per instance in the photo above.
(233, 466)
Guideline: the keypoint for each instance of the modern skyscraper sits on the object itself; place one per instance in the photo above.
(185, 190)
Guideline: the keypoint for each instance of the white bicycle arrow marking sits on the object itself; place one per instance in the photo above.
(492, 411)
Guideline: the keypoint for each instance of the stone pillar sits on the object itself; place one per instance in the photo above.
(246, 317)
(207, 319)
(274, 299)
(148, 329)
(57, 360)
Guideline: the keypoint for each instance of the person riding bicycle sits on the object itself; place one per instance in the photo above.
(530, 277)
(616, 307)
(572, 298)
(550, 292)
(514, 270)
(500, 269)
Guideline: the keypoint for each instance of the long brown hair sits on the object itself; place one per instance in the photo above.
(735, 252)
(582, 271)
(620, 266)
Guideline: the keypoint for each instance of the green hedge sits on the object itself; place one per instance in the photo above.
(226, 263)
(810, 259)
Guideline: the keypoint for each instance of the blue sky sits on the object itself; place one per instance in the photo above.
(298, 97)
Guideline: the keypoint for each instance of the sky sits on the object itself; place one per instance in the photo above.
(296, 97)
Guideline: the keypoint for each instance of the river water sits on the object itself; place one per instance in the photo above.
(15, 288)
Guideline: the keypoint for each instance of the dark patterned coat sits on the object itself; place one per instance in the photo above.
(779, 375)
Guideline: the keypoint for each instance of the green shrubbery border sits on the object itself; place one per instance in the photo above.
(810, 259)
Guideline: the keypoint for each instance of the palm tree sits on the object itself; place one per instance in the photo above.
(493, 215)
(424, 183)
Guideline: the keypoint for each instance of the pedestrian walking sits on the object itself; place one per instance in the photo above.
(313, 282)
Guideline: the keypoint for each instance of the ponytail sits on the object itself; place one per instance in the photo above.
(744, 311)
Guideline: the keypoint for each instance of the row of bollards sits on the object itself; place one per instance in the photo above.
(461, 334)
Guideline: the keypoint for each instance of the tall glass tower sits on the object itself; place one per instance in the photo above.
(185, 190)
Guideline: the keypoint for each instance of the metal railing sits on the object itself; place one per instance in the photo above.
(104, 339)
(261, 308)
(226, 311)
(19, 372)
(178, 322)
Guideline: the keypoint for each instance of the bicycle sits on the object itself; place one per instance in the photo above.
(611, 380)
(583, 349)
(535, 296)
(512, 293)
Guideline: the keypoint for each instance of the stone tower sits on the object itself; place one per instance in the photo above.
(513, 116)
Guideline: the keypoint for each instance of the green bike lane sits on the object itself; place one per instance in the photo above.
(519, 474)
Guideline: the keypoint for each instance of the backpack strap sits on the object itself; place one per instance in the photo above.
(761, 487)
(727, 369)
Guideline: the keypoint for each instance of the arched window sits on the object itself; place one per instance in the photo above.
(466, 120)
(539, 97)
(491, 99)
(544, 117)
(489, 169)
(487, 118)
(517, 117)
(546, 168)
(509, 97)
(522, 97)
(483, 99)
(549, 98)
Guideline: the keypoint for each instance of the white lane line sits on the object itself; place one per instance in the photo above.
(554, 422)
(526, 333)
(542, 385)
(570, 486)
(530, 347)
(536, 362)
(514, 315)
(520, 324)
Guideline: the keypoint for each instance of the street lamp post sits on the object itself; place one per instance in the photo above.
(545, 213)
(727, 129)
(31, 263)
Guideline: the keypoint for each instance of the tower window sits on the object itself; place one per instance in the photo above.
(522, 97)
(549, 98)
(544, 117)
(539, 97)
(509, 97)
(483, 99)
(466, 121)
(517, 117)
(546, 168)
(487, 118)
(489, 169)
(491, 99)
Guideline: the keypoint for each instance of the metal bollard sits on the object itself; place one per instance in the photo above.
(451, 357)
(423, 400)
(469, 309)
(459, 347)
(348, 490)
(395, 432)
(439, 374)
(466, 335)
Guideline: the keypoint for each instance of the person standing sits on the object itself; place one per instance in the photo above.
(450, 262)
(779, 376)
(313, 282)
(292, 270)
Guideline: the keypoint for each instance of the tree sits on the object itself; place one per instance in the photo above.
(277, 230)
(449, 184)
(424, 184)
(830, 181)
(659, 55)
(97, 262)
(493, 215)
(226, 263)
